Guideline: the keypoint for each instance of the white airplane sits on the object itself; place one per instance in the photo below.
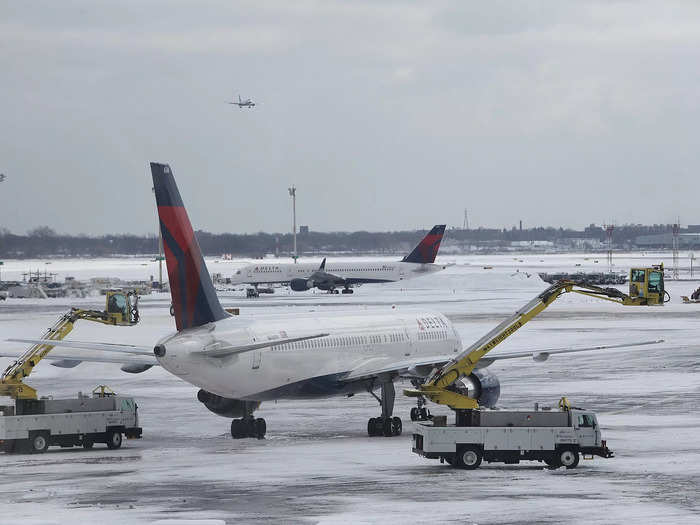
(333, 276)
(237, 363)
(247, 103)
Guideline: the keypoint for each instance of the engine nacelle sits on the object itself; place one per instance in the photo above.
(301, 285)
(223, 406)
(135, 369)
(483, 386)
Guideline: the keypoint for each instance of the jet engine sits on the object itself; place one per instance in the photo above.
(301, 285)
(483, 386)
(223, 406)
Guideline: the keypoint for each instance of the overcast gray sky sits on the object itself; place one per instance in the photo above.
(386, 115)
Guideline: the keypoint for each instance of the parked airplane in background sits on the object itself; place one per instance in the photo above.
(239, 362)
(247, 103)
(334, 275)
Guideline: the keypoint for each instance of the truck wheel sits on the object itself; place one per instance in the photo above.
(568, 458)
(39, 443)
(114, 439)
(469, 457)
(88, 443)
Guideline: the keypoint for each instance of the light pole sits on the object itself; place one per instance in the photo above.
(160, 257)
(2, 178)
(293, 195)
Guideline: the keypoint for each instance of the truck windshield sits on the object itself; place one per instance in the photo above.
(585, 421)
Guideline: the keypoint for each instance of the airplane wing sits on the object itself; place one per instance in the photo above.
(105, 347)
(63, 359)
(221, 350)
(422, 367)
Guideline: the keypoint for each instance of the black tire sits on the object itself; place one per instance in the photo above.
(114, 439)
(88, 443)
(396, 426)
(387, 427)
(414, 414)
(424, 414)
(568, 457)
(469, 457)
(370, 427)
(237, 429)
(39, 443)
(260, 428)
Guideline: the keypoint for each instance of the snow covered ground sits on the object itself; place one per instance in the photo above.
(317, 464)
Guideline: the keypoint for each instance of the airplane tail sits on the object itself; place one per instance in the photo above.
(428, 248)
(193, 295)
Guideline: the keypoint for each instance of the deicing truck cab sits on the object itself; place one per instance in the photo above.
(556, 437)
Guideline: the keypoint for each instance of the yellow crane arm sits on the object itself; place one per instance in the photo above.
(11, 384)
(437, 386)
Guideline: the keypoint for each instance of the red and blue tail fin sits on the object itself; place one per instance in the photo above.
(428, 248)
(194, 298)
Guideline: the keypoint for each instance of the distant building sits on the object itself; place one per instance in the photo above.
(303, 229)
(582, 243)
(661, 240)
(532, 244)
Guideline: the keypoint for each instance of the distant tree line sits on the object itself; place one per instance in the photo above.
(44, 241)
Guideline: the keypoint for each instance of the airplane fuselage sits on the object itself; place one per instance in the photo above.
(352, 272)
(310, 368)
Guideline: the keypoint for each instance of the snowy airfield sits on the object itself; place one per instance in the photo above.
(317, 464)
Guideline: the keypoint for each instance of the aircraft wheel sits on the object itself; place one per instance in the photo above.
(336, 292)
(387, 427)
(114, 439)
(260, 428)
(396, 426)
(371, 427)
(237, 429)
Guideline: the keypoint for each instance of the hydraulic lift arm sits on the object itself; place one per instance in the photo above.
(440, 388)
(122, 310)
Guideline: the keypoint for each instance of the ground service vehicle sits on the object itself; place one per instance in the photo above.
(34, 425)
(648, 283)
(445, 384)
(556, 437)
(121, 310)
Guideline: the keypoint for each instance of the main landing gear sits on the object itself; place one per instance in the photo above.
(385, 425)
(248, 426)
(347, 289)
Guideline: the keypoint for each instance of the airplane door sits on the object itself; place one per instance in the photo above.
(256, 359)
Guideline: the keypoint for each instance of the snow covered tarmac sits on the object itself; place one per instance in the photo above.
(318, 465)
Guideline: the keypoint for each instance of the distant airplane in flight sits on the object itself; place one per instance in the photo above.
(247, 103)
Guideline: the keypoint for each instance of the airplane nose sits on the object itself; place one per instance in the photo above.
(159, 350)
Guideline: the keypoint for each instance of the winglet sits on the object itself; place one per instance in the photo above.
(193, 295)
(427, 249)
